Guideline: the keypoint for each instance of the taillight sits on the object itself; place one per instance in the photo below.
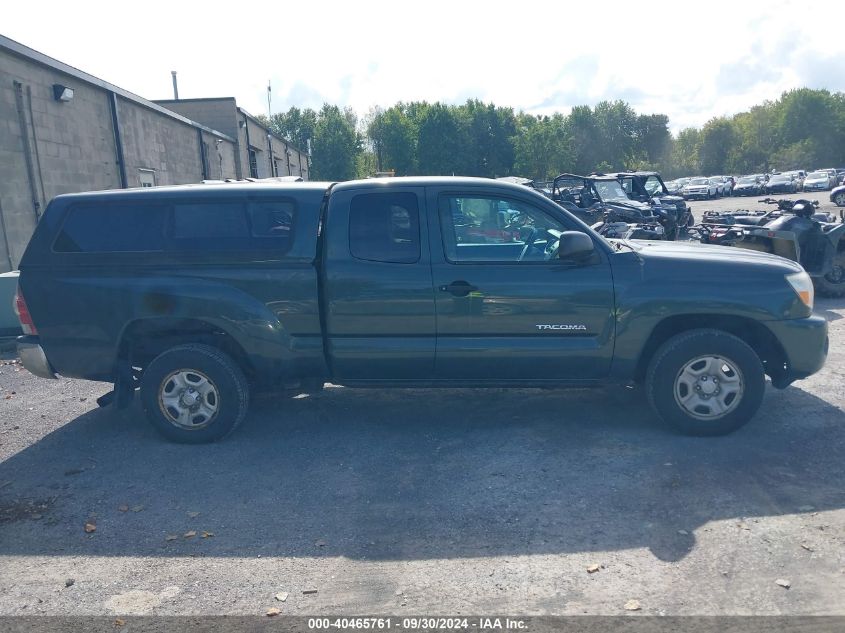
(24, 317)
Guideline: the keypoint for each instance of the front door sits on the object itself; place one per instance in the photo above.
(507, 307)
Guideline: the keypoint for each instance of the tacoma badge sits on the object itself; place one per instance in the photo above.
(563, 326)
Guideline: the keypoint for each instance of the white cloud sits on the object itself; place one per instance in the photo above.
(691, 62)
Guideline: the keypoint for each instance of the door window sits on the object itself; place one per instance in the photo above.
(482, 229)
(385, 227)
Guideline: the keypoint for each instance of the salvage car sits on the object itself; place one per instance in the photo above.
(780, 183)
(817, 181)
(700, 188)
(195, 298)
(748, 186)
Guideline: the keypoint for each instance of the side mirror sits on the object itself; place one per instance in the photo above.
(574, 245)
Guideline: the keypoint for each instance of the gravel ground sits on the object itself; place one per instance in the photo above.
(424, 502)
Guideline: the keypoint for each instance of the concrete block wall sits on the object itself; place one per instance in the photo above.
(218, 114)
(71, 145)
(223, 114)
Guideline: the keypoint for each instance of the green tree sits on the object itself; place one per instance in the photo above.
(442, 142)
(685, 152)
(335, 145)
(716, 146)
(543, 148)
(652, 140)
(616, 123)
(393, 135)
(295, 125)
(490, 131)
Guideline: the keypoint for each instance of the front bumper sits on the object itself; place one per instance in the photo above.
(805, 343)
(33, 357)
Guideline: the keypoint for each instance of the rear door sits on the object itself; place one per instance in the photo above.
(377, 287)
(507, 308)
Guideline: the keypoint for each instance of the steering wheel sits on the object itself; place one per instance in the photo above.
(529, 243)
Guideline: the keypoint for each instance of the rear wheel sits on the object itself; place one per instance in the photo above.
(705, 382)
(833, 283)
(839, 199)
(194, 394)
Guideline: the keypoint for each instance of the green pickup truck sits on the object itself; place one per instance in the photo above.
(194, 297)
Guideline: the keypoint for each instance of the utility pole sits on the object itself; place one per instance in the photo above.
(269, 109)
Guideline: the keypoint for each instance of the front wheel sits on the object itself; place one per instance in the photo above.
(839, 199)
(705, 382)
(194, 394)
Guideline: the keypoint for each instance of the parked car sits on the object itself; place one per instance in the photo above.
(700, 188)
(780, 183)
(798, 175)
(674, 187)
(834, 175)
(723, 184)
(748, 186)
(818, 181)
(192, 298)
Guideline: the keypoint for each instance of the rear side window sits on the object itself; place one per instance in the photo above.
(385, 227)
(116, 227)
(204, 226)
(181, 227)
(227, 226)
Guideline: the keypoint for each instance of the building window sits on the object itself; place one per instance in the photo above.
(147, 177)
(253, 163)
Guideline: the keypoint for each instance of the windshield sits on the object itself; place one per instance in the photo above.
(698, 181)
(747, 181)
(653, 186)
(610, 190)
(817, 175)
(778, 179)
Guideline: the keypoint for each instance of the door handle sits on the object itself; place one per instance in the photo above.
(459, 288)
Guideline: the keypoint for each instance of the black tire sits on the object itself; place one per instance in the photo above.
(230, 393)
(674, 355)
(839, 199)
(832, 285)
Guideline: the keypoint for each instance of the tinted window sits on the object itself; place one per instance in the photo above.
(116, 227)
(272, 224)
(385, 227)
(210, 225)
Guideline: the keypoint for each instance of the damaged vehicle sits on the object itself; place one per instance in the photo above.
(796, 231)
(601, 201)
(648, 186)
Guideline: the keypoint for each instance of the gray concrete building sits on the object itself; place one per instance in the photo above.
(261, 154)
(63, 130)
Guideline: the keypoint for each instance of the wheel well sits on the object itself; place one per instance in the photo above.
(754, 333)
(145, 339)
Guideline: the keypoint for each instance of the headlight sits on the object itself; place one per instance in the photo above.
(803, 287)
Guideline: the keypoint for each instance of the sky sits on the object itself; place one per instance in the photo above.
(689, 60)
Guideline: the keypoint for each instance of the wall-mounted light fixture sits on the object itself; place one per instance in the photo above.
(241, 124)
(62, 93)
